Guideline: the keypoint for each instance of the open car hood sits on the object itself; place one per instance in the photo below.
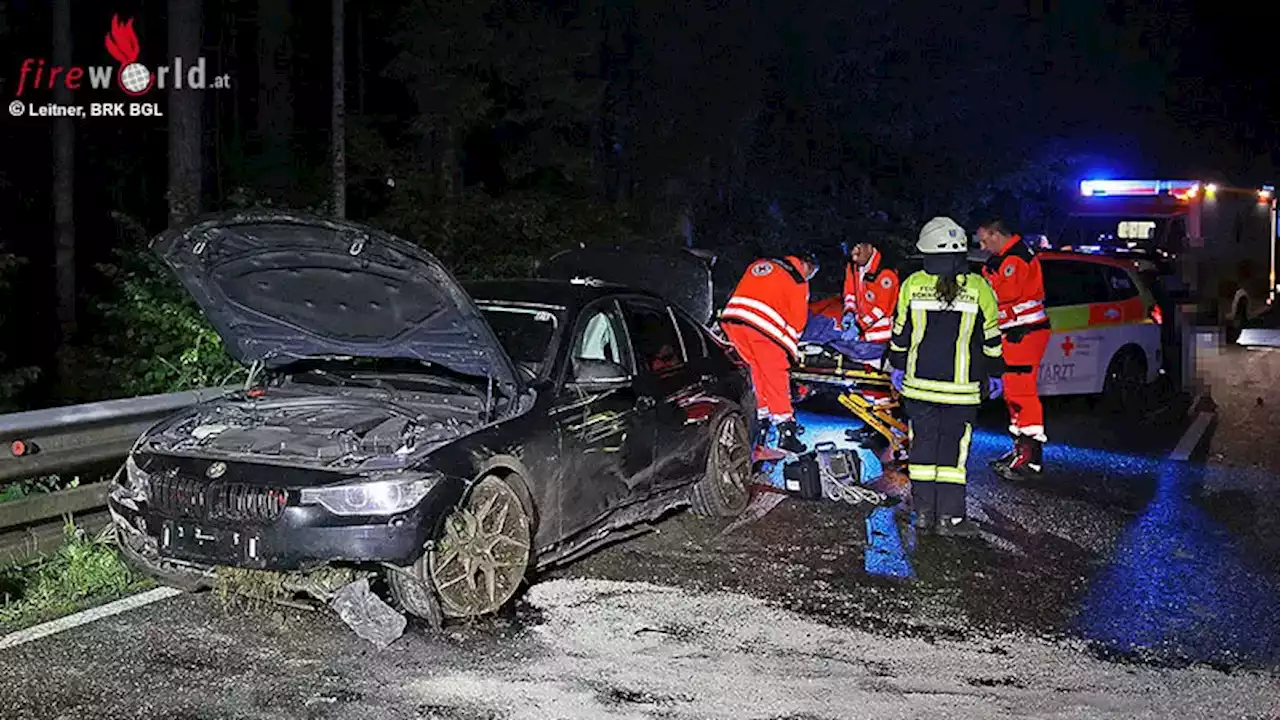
(682, 277)
(281, 287)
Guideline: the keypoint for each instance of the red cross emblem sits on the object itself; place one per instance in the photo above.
(1067, 347)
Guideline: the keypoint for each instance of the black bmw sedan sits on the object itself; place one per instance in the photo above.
(451, 438)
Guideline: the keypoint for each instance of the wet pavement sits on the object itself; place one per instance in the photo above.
(1120, 585)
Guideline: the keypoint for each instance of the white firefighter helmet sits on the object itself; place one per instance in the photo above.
(942, 235)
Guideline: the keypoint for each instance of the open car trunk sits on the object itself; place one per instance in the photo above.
(682, 277)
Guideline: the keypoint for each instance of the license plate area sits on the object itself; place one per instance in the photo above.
(202, 542)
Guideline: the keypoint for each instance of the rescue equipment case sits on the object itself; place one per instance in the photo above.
(829, 473)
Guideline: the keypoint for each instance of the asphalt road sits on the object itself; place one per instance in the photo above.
(1111, 588)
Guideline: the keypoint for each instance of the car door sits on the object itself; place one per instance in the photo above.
(1074, 361)
(664, 373)
(606, 433)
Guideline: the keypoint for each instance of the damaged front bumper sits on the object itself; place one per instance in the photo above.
(182, 549)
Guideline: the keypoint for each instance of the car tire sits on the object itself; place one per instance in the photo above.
(478, 562)
(1124, 390)
(414, 596)
(725, 489)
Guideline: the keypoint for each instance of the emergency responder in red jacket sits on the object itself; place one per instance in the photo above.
(1014, 273)
(764, 319)
(870, 293)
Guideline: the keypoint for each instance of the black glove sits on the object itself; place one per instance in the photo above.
(1016, 334)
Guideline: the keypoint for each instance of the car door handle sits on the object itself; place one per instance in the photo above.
(644, 402)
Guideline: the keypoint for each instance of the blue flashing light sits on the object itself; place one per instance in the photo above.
(1138, 188)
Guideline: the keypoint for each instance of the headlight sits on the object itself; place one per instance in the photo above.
(372, 497)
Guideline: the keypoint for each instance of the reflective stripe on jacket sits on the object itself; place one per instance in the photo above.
(946, 350)
(773, 298)
(871, 293)
(1015, 276)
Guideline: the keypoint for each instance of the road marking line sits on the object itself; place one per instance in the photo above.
(87, 616)
(1192, 437)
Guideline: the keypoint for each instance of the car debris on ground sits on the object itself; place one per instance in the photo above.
(367, 614)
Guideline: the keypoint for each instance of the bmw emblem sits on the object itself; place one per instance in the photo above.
(216, 470)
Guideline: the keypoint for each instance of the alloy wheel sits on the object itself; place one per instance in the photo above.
(483, 553)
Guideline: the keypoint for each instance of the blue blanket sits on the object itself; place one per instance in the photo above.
(822, 330)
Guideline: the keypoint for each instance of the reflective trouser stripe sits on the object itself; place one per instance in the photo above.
(922, 473)
(956, 474)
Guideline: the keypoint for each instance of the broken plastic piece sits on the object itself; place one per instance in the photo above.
(366, 614)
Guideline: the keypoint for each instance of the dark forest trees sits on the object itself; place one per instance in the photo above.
(275, 167)
(185, 109)
(338, 114)
(64, 162)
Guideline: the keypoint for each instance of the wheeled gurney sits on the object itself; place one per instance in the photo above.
(862, 387)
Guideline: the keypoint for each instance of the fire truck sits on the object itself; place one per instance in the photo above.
(1215, 243)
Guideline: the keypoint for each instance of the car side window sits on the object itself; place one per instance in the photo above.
(601, 337)
(695, 342)
(1120, 284)
(1069, 282)
(653, 336)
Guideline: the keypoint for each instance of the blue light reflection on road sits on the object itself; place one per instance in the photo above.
(1178, 582)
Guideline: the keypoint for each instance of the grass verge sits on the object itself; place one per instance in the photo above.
(86, 571)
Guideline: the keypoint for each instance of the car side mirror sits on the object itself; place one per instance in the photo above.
(589, 373)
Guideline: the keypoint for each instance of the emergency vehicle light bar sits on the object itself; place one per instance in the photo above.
(1139, 188)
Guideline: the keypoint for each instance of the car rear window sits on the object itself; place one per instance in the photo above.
(653, 336)
(695, 343)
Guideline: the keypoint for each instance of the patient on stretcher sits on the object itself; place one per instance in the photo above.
(825, 331)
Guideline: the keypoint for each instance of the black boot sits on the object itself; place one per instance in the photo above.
(789, 437)
(925, 522)
(924, 501)
(1027, 462)
(762, 437)
(1001, 464)
(949, 526)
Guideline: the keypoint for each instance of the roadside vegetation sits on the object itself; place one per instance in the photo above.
(85, 571)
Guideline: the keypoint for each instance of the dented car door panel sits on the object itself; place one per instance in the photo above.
(606, 433)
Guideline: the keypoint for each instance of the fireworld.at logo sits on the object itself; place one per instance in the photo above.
(132, 77)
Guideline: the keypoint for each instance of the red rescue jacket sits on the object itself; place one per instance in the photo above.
(773, 298)
(1015, 276)
(871, 293)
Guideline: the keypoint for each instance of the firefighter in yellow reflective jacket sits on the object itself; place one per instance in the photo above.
(945, 352)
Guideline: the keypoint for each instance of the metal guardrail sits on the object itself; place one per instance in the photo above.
(64, 439)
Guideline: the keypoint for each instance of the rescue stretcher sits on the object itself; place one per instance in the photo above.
(862, 388)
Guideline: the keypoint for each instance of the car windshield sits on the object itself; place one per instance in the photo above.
(526, 333)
